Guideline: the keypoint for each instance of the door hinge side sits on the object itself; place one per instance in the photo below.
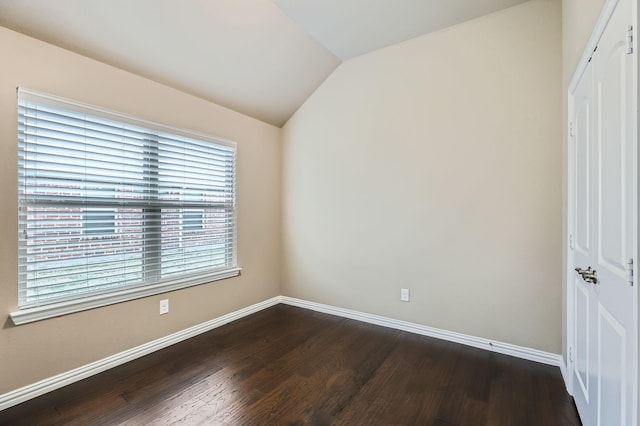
(629, 39)
(571, 241)
(572, 132)
(630, 272)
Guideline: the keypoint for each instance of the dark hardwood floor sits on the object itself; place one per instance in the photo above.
(289, 366)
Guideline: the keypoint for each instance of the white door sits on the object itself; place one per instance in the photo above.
(582, 352)
(603, 237)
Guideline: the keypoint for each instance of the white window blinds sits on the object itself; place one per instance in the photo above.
(109, 204)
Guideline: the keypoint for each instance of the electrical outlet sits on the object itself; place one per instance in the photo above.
(404, 294)
(164, 306)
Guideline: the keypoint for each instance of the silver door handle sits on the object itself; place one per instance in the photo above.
(589, 275)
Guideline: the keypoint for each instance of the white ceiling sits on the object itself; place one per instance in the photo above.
(247, 55)
(351, 28)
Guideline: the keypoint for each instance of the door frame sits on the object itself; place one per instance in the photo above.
(601, 25)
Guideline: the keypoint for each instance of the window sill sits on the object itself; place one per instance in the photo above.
(25, 316)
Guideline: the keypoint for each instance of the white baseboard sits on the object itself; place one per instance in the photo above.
(477, 342)
(52, 383)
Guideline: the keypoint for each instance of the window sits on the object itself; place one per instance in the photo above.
(112, 208)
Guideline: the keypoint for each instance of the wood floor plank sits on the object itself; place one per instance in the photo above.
(290, 366)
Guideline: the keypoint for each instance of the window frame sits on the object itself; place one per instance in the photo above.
(91, 301)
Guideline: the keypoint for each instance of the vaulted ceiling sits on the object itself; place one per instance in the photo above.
(262, 58)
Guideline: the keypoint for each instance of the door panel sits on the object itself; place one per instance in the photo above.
(610, 87)
(582, 170)
(612, 341)
(582, 338)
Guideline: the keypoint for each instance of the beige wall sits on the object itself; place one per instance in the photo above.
(36, 351)
(436, 165)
